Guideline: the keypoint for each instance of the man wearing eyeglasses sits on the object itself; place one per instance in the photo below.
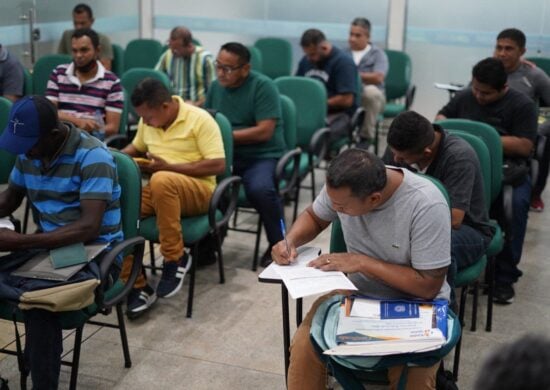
(251, 103)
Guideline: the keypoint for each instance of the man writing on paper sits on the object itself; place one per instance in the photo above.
(397, 230)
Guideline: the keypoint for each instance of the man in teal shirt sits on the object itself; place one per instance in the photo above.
(252, 104)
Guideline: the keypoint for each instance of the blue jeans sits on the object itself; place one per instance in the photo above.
(43, 347)
(507, 271)
(258, 178)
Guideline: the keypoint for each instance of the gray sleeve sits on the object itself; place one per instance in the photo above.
(431, 236)
(322, 206)
(459, 180)
(381, 64)
(542, 87)
(13, 79)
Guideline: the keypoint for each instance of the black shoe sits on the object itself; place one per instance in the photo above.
(266, 258)
(139, 301)
(173, 273)
(504, 294)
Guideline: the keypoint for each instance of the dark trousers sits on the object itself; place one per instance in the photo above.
(507, 271)
(258, 178)
(43, 347)
(339, 124)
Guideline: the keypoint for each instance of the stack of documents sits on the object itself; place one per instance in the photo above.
(372, 327)
(302, 281)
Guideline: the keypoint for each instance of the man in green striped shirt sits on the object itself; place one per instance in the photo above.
(189, 67)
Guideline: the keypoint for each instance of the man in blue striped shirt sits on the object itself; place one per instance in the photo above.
(71, 181)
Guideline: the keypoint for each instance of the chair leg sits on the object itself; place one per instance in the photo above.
(257, 245)
(296, 200)
(474, 309)
(192, 281)
(312, 173)
(152, 256)
(490, 291)
(76, 357)
(220, 257)
(26, 216)
(461, 310)
(123, 336)
(376, 133)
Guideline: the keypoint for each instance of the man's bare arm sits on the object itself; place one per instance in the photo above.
(341, 101)
(516, 146)
(262, 132)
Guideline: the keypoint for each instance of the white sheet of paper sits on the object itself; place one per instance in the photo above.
(366, 308)
(6, 223)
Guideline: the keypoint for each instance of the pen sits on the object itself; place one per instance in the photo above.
(283, 232)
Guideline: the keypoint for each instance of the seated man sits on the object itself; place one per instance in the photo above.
(373, 65)
(514, 116)
(85, 93)
(415, 142)
(84, 18)
(12, 79)
(397, 230)
(70, 179)
(336, 70)
(251, 103)
(184, 149)
(189, 67)
(533, 82)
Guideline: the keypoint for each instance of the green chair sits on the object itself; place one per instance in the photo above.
(256, 62)
(310, 99)
(27, 86)
(142, 53)
(7, 160)
(213, 223)
(121, 139)
(399, 90)
(287, 176)
(109, 294)
(541, 62)
(43, 68)
(117, 66)
(276, 56)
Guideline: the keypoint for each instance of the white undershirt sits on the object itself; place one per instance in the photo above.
(358, 54)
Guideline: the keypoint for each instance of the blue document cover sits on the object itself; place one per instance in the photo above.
(398, 309)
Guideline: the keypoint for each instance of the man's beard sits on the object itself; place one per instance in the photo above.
(86, 68)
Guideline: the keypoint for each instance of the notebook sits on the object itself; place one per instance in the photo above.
(41, 267)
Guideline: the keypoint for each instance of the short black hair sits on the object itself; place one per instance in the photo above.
(312, 37)
(362, 22)
(359, 170)
(87, 32)
(490, 71)
(239, 50)
(151, 92)
(83, 8)
(515, 35)
(522, 364)
(410, 132)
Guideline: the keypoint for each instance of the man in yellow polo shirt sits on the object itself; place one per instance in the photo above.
(181, 147)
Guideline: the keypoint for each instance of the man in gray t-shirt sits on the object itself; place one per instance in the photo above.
(12, 80)
(397, 231)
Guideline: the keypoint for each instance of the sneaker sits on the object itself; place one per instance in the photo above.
(139, 301)
(504, 293)
(173, 273)
(537, 204)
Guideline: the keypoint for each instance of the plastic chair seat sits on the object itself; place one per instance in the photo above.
(391, 110)
(471, 273)
(304, 165)
(496, 244)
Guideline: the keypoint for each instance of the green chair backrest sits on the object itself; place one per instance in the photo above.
(142, 53)
(541, 62)
(256, 61)
(117, 66)
(131, 78)
(310, 98)
(398, 79)
(484, 158)
(43, 68)
(288, 110)
(7, 160)
(276, 56)
(227, 136)
(493, 141)
(27, 85)
(337, 242)
(129, 177)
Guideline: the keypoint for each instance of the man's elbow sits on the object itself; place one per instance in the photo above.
(220, 167)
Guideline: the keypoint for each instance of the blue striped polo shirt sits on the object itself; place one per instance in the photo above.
(85, 169)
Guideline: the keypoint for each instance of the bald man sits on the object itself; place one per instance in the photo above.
(189, 67)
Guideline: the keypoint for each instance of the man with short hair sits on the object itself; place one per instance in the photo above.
(83, 17)
(338, 73)
(397, 229)
(85, 93)
(535, 83)
(372, 63)
(252, 104)
(70, 178)
(189, 67)
(12, 78)
(426, 147)
(514, 116)
(184, 152)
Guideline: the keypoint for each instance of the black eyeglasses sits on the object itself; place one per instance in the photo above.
(225, 68)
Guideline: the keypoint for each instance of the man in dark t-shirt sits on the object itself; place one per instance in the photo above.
(413, 141)
(514, 116)
(338, 73)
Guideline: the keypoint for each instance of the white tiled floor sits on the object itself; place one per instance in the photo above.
(234, 340)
